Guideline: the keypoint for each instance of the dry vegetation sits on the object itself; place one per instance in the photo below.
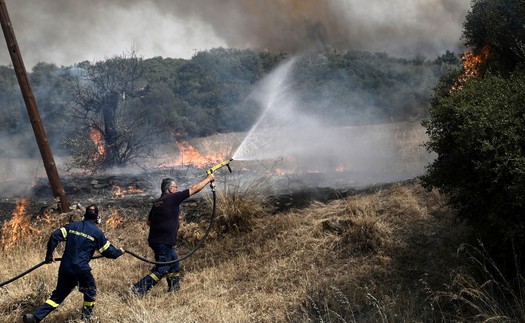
(377, 256)
(388, 254)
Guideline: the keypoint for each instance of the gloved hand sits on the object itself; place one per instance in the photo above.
(49, 260)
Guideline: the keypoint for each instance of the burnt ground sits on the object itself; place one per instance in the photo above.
(138, 190)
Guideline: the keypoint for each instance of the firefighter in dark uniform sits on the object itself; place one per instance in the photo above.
(82, 239)
(163, 220)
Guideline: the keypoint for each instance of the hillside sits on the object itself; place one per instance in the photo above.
(288, 244)
(376, 255)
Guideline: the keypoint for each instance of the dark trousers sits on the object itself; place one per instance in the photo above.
(163, 253)
(65, 285)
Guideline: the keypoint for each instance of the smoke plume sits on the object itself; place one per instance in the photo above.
(300, 143)
(65, 32)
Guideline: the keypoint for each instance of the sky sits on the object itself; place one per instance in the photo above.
(65, 32)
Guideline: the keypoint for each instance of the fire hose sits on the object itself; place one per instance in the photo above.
(201, 242)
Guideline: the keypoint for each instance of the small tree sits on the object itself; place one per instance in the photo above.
(478, 133)
(114, 127)
(499, 25)
(12, 119)
(476, 127)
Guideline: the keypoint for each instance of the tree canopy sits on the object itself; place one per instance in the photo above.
(209, 93)
(499, 25)
(476, 127)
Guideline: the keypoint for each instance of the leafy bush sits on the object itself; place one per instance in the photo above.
(499, 25)
(478, 133)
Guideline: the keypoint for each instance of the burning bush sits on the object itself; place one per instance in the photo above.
(19, 227)
(114, 128)
(115, 220)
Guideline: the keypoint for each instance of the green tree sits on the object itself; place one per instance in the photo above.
(349, 87)
(476, 127)
(499, 26)
(210, 93)
(13, 118)
(214, 83)
(163, 104)
(478, 133)
(52, 87)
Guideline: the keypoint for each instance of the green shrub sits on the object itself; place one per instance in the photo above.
(478, 133)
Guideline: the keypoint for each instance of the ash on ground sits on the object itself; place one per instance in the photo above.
(138, 189)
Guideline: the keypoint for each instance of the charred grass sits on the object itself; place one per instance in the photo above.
(387, 255)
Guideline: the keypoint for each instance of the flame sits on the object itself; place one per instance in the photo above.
(98, 140)
(18, 227)
(119, 192)
(114, 220)
(190, 156)
(280, 171)
(471, 64)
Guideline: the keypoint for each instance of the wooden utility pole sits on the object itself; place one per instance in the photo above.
(32, 109)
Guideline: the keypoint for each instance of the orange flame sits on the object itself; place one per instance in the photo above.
(119, 192)
(471, 64)
(18, 227)
(98, 140)
(190, 156)
(114, 220)
(280, 171)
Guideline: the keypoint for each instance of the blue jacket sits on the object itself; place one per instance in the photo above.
(82, 239)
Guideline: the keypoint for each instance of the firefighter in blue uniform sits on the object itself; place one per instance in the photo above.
(82, 239)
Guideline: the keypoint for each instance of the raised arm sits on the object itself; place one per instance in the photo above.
(200, 185)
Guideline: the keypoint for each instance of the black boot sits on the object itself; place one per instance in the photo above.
(87, 313)
(30, 318)
(173, 282)
(173, 285)
(142, 287)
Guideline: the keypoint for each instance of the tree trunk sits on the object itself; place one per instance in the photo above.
(109, 113)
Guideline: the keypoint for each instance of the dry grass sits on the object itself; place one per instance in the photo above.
(492, 297)
(366, 258)
(389, 255)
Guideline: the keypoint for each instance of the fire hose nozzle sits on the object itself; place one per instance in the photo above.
(216, 167)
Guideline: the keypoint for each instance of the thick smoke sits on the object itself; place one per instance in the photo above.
(301, 144)
(65, 32)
